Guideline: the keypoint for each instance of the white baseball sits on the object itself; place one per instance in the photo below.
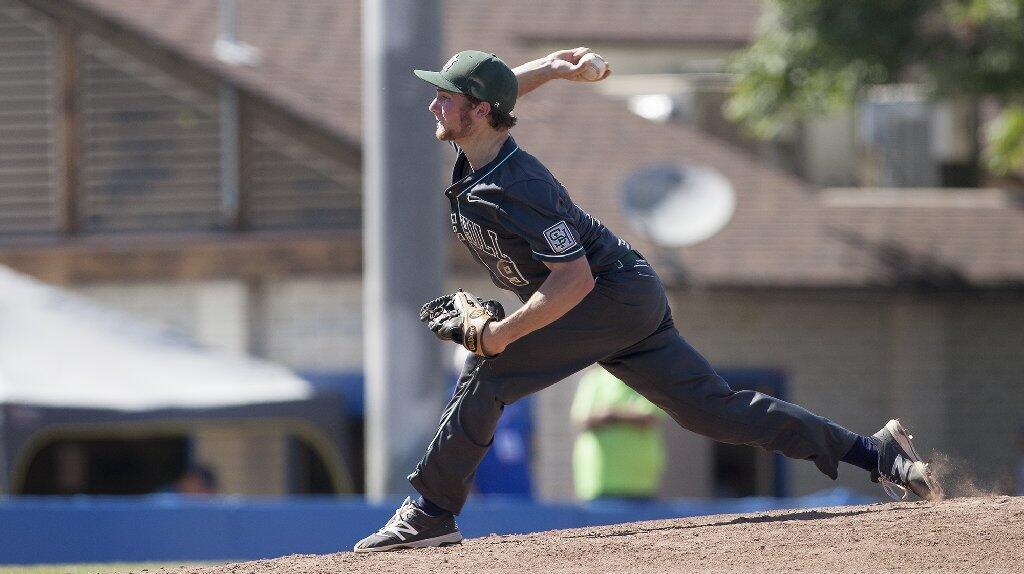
(593, 68)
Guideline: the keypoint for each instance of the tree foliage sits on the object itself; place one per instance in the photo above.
(818, 56)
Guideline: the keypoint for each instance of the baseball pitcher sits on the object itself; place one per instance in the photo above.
(588, 297)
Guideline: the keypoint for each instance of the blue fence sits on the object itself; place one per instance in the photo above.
(171, 528)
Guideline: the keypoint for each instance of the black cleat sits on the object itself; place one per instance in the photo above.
(900, 467)
(411, 527)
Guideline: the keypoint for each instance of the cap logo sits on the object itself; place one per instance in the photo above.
(450, 63)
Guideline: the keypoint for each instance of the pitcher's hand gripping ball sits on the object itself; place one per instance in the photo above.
(594, 67)
(461, 317)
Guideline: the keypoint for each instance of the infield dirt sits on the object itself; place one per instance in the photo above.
(984, 534)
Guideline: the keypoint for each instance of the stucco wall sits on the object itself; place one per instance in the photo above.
(949, 367)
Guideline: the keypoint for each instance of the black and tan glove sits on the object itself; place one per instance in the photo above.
(461, 317)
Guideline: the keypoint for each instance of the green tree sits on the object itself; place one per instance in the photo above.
(818, 56)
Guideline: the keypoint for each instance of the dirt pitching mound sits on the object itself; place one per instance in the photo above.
(959, 535)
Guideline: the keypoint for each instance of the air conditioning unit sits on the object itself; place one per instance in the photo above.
(895, 128)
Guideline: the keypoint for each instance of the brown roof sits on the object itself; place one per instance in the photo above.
(309, 51)
(783, 233)
(644, 21)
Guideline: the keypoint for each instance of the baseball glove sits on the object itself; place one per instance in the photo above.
(461, 317)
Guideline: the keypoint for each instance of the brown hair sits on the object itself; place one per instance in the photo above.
(497, 118)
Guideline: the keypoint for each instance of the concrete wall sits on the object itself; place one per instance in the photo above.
(985, 385)
(831, 352)
(949, 367)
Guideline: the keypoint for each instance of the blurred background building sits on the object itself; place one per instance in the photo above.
(859, 265)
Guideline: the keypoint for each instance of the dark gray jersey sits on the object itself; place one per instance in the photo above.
(513, 215)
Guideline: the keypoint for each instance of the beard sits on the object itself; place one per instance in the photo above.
(454, 132)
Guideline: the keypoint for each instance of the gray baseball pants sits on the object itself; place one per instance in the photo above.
(624, 324)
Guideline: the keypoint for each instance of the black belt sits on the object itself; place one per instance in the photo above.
(631, 259)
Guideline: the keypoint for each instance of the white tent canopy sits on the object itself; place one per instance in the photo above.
(57, 349)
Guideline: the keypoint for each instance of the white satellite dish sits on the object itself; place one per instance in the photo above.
(676, 206)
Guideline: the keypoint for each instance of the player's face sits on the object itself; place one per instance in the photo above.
(452, 112)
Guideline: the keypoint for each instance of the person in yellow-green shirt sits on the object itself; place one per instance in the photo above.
(619, 453)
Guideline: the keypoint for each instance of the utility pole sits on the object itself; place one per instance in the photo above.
(404, 229)
(230, 51)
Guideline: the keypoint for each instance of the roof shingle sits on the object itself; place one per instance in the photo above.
(783, 233)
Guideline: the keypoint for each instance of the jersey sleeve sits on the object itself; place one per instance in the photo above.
(542, 214)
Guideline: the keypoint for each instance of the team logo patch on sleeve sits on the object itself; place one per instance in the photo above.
(559, 237)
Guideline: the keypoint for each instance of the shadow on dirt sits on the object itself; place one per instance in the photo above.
(807, 515)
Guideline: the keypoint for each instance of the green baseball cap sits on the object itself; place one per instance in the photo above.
(479, 74)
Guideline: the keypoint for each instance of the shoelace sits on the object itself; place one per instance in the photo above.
(891, 488)
(397, 520)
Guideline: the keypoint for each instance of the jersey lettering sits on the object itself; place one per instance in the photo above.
(506, 267)
(471, 232)
(475, 236)
(455, 229)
